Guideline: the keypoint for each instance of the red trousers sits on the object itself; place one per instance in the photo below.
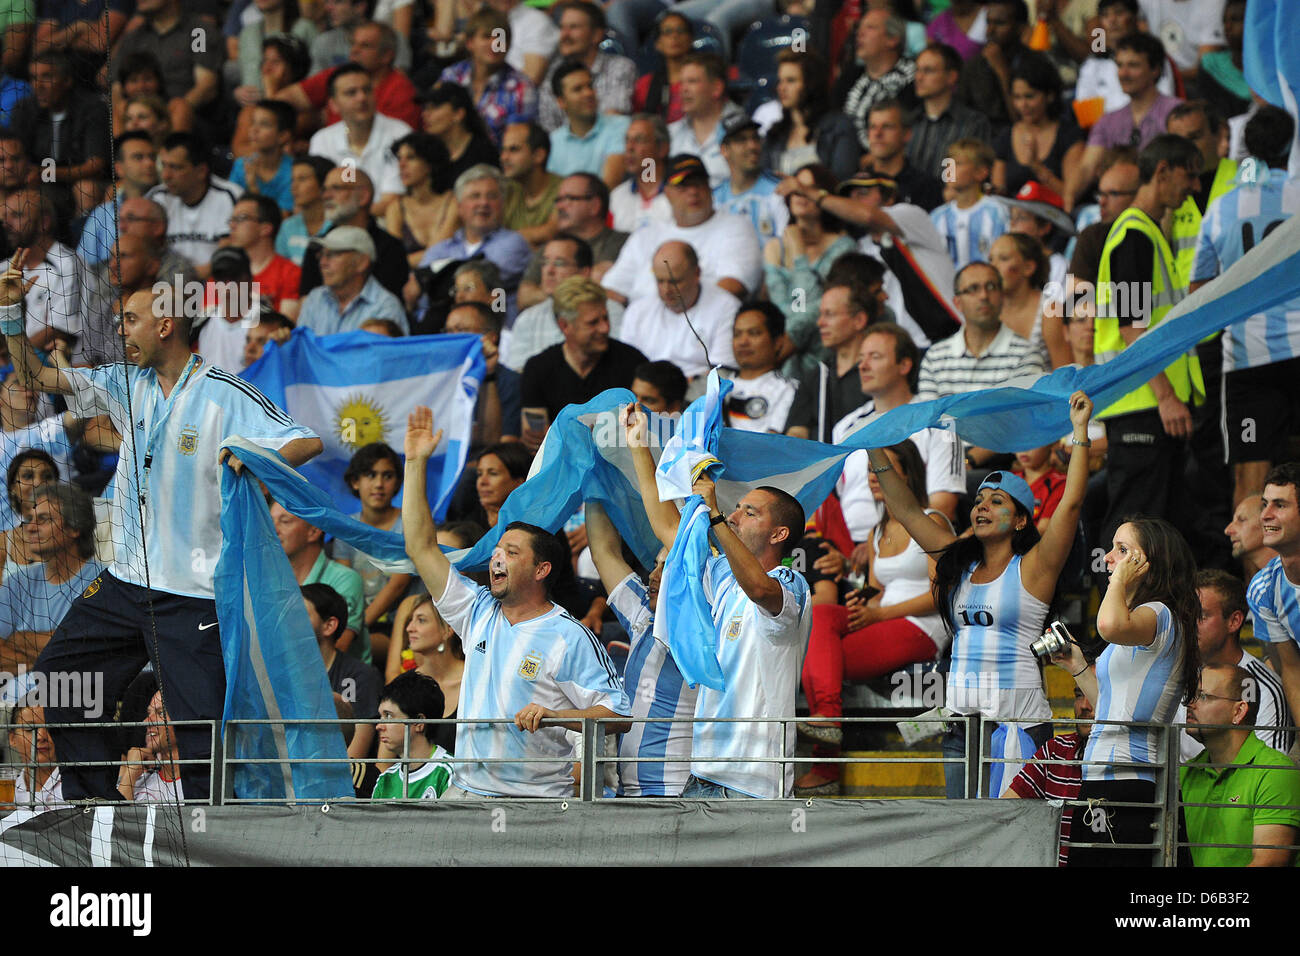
(835, 653)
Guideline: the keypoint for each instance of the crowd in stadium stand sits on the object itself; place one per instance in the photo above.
(845, 207)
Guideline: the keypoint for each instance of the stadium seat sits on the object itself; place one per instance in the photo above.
(761, 90)
(612, 44)
(764, 42)
(707, 38)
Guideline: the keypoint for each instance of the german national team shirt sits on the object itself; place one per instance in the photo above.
(759, 655)
(656, 689)
(168, 474)
(428, 781)
(551, 660)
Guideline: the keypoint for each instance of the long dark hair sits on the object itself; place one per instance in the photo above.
(1171, 580)
(960, 556)
(659, 85)
(822, 178)
(816, 99)
(912, 467)
(29, 454)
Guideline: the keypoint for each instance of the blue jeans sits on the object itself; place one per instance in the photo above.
(697, 789)
(954, 748)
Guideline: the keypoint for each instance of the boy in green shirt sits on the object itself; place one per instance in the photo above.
(411, 696)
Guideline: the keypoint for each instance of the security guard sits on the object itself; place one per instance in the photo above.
(1137, 285)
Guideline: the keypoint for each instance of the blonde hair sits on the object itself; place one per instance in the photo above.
(573, 292)
(977, 151)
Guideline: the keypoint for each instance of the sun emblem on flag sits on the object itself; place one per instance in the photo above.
(359, 420)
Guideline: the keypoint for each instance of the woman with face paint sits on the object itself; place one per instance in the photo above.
(992, 589)
(1149, 619)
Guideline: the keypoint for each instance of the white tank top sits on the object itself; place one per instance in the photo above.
(904, 576)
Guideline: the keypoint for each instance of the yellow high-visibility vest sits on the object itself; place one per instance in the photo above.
(1187, 222)
(1185, 372)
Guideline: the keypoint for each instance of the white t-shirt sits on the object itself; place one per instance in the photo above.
(551, 660)
(941, 450)
(760, 404)
(55, 300)
(152, 788)
(193, 231)
(726, 245)
(1184, 26)
(377, 159)
(759, 654)
(222, 342)
(531, 31)
(664, 335)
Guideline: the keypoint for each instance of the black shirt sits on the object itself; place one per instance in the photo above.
(479, 150)
(1132, 264)
(390, 267)
(843, 395)
(357, 683)
(918, 189)
(551, 383)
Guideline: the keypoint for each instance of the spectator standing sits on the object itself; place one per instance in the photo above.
(523, 634)
(1148, 428)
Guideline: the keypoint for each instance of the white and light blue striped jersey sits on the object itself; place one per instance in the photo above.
(1234, 224)
(1136, 683)
(759, 655)
(551, 660)
(993, 670)
(765, 210)
(655, 688)
(970, 233)
(168, 465)
(1274, 604)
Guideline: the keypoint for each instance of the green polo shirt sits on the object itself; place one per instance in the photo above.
(351, 588)
(1274, 795)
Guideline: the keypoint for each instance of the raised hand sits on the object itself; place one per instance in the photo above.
(12, 286)
(421, 439)
(1080, 411)
(636, 426)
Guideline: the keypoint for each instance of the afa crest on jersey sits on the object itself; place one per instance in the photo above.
(530, 666)
(92, 589)
(188, 443)
(733, 629)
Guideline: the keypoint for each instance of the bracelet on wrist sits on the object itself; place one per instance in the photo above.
(1085, 443)
(1080, 671)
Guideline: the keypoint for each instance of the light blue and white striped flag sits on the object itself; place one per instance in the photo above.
(356, 388)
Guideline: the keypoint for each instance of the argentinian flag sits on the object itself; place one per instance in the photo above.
(1271, 60)
(355, 388)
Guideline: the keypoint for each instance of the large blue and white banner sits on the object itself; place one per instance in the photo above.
(356, 388)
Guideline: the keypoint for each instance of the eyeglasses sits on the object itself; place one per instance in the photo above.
(989, 287)
(237, 219)
(1203, 696)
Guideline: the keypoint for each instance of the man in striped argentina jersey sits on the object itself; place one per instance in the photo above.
(1274, 593)
(1223, 612)
(656, 687)
(525, 657)
(1261, 356)
(762, 613)
(156, 600)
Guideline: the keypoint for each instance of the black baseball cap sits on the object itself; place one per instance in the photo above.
(685, 166)
(737, 125)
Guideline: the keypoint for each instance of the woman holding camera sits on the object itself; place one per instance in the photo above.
(1149, 621)
(993, 588)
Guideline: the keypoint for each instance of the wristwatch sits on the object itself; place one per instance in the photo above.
(717, 519)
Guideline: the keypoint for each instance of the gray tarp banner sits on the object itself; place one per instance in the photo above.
(528, 833)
